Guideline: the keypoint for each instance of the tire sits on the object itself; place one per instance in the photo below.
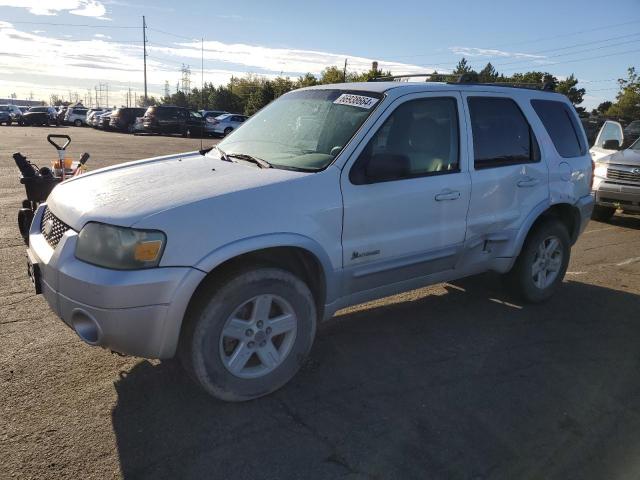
(227, 131)
(602, 213)
(77, 122)
(523, 281)
(209, 355)
(9, 123)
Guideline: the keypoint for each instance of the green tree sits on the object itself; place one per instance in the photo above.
(627, 105)
(568, 88)
(462, 67)
(150, 101)
(331, 74)
(488, 74)
(604, 106)
(306, 80)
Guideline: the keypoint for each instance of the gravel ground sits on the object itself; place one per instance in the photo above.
(451, 381)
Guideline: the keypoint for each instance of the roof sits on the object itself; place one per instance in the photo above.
(412, 87)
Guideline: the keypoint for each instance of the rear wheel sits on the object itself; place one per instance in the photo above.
(602, 213)
(542, 263)
(247, 334)
(77, 122)
(227, 131)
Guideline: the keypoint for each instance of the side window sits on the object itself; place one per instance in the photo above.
(560, 123)
(420, 137)
(501, 134)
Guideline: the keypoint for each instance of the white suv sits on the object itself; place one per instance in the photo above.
(229, 257)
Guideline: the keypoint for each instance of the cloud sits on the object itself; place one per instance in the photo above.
(84, 8)
(101, 35)
(490, 52)
(56, 64)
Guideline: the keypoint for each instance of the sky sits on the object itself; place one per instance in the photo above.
(70, 47)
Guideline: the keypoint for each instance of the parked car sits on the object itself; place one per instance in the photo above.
(14, 112)
(76, 116)
(616, 172)
(24, 109)
(61, 113)
(138, 125)
(225, 124)
(169, 119)
(211, 113)
(123, 119)
(229, 257)
(92, 117)
(631, 132)
(42, 116)
(5, 115)
(102, 120)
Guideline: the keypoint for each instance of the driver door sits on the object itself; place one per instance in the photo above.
(609, 140)
(406, 194)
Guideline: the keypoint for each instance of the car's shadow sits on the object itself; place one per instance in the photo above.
(458, 383)
(625, 221)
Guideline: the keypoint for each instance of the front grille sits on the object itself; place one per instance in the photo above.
(624, 175)
(52, 228)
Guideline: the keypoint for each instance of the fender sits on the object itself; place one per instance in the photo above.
(518, 241)
(281, 239)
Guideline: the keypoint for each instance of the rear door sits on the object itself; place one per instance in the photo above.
(609, 140)
(508, 176)
(406, 193)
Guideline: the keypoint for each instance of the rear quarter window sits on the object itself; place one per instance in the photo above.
(561, 125)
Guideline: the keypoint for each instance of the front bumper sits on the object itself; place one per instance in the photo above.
(609, 194)
(135, 312)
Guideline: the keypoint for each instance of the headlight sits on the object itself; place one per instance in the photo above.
(118, 247)
(600, 170)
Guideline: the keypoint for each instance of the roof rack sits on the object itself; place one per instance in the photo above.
(465, 78)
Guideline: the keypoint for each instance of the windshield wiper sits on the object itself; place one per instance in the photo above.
(243, 156)
(223, 156)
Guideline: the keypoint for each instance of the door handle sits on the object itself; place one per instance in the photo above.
(447, 195)
(528, 182)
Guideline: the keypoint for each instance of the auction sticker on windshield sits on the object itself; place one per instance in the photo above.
(356, 100)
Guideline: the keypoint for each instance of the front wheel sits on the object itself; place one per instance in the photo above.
(77, 122)
(542, 263)
(247, 334)
(227, 131)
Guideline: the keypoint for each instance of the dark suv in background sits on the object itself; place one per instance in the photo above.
(171, 119)
(123, 119)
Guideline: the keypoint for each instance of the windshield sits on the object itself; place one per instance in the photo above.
(636, 145)
(38, 109)
(303, 129)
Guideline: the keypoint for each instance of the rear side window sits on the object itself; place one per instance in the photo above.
(562, 127)
(501, 134)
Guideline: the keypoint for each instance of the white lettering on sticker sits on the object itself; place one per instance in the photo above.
(356, 100)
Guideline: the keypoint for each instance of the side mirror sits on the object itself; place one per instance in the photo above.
(387, 166)
(611, 145)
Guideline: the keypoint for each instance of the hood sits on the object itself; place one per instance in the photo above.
(127, 193)
(623, 157)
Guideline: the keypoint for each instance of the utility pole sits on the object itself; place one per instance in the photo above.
(96, 97)
(107, 87)
(344, 72)
(144, 43)
(202, 74)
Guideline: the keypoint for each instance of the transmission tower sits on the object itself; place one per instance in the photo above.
(186, 79)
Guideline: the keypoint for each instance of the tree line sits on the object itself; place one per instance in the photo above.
(250, 93)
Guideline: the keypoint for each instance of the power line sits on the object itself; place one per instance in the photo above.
(71, 25)
(582, 59)
(171, 34)
(570, 53)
